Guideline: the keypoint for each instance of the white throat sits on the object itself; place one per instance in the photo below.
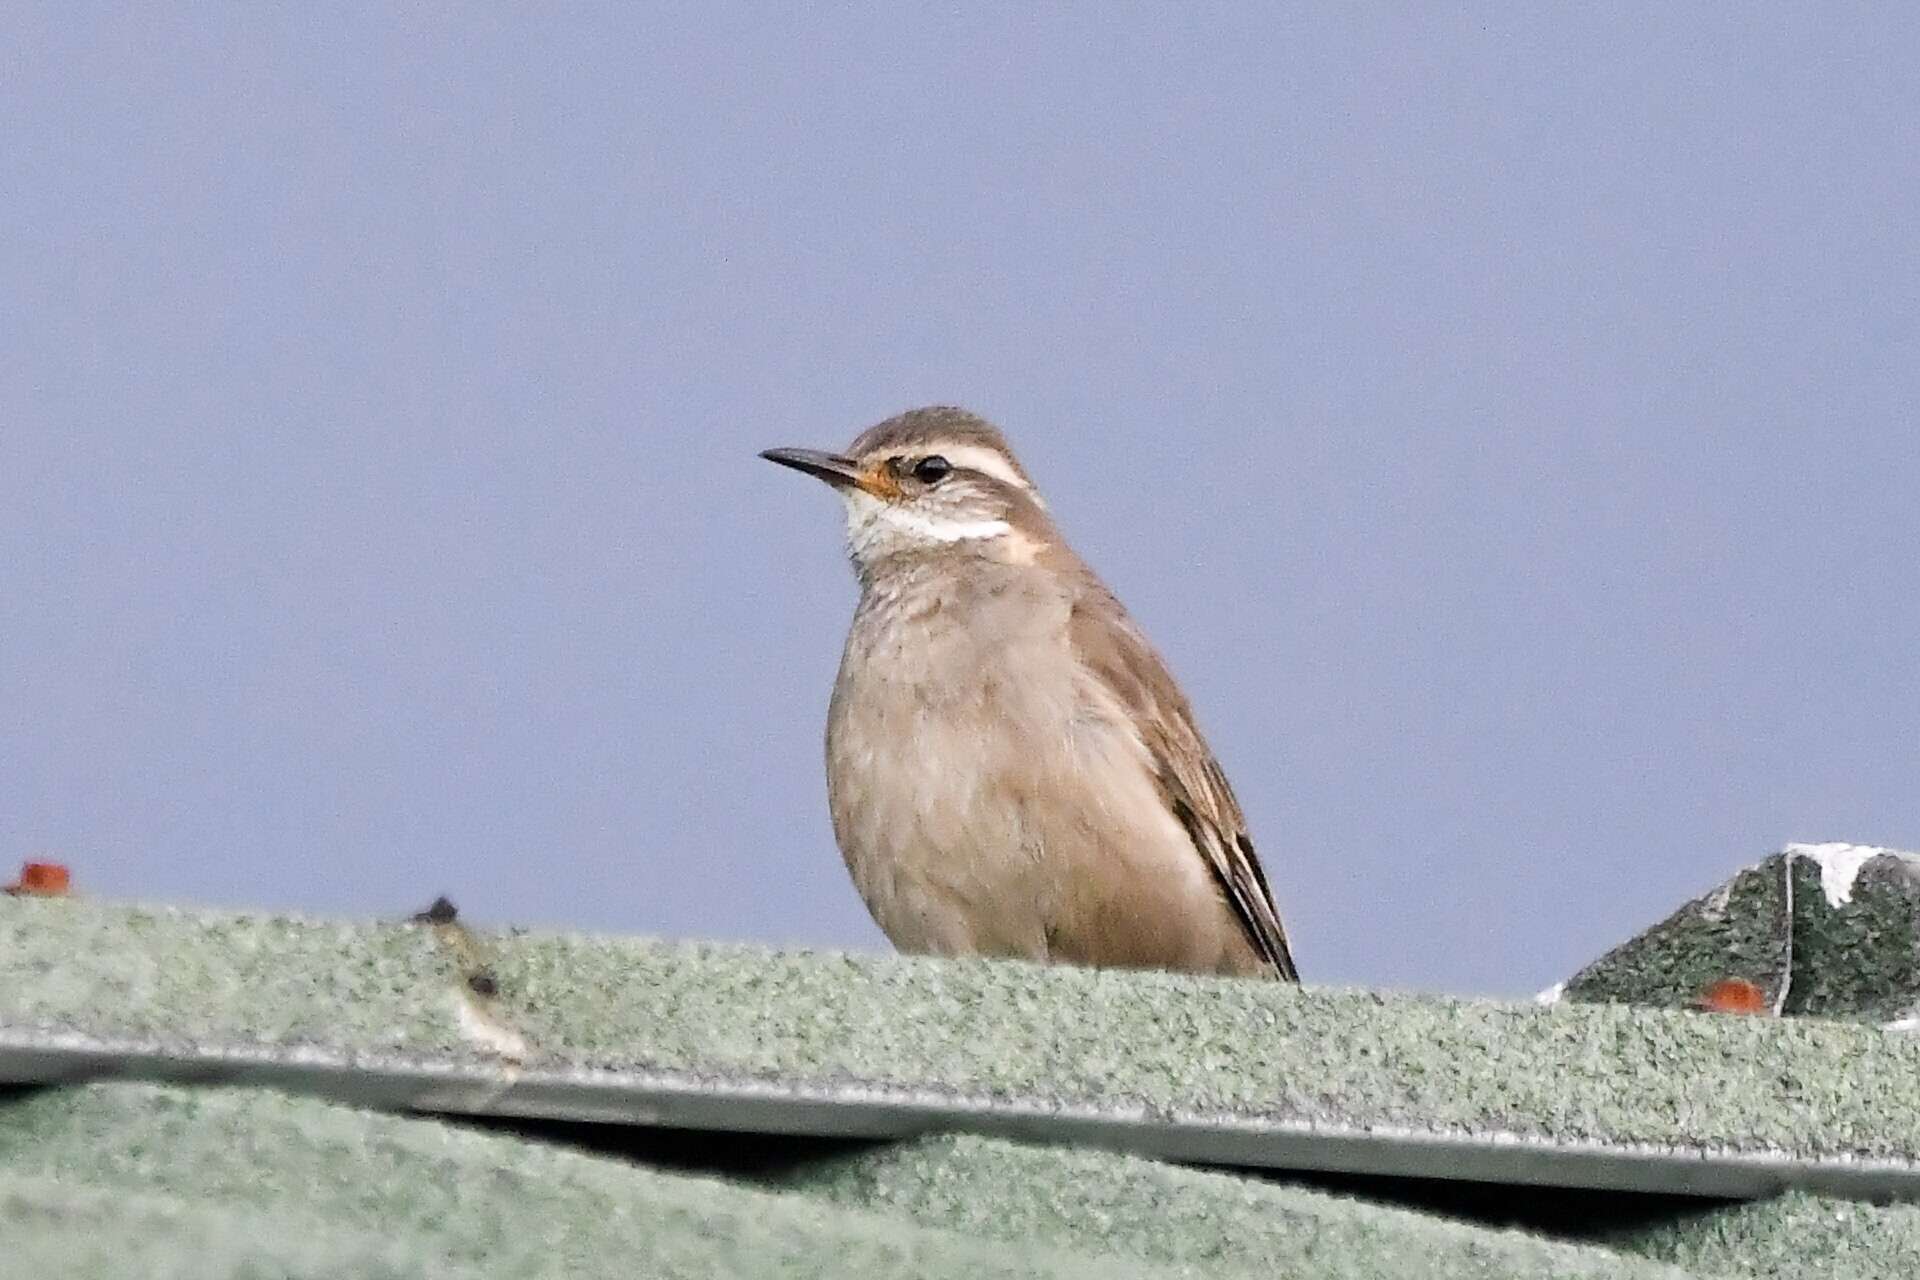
(874, 526)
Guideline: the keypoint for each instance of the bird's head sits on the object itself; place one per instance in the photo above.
(931, 481)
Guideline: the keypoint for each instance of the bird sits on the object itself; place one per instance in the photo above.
(1012, 770)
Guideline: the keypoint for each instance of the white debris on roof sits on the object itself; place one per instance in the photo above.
(486, 1031)
(1714, 905)
(1908, 1021)
(1840, 865)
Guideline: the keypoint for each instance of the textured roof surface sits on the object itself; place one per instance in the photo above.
(132, 1178)
(1790, 1237)
(144, 1177)
(1228, 1071)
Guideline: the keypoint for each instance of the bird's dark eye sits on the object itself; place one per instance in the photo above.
(931, 469)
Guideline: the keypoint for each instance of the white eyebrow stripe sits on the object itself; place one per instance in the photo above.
(988, 462)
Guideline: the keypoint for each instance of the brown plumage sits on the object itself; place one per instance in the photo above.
(1191, 781)
(1011, 768)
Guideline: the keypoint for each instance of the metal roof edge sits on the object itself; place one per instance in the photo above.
(855, 1109)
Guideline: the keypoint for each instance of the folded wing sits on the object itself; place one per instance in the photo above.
(1112, 647)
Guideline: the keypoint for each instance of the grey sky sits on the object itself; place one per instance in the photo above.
(1506, 425)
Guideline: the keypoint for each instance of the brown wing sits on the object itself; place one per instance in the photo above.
(1111, 646)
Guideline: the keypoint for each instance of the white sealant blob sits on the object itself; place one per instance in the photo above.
(1839, 865)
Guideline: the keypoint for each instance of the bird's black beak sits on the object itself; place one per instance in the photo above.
(836, 470)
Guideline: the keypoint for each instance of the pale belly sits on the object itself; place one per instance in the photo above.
(932, 784)
(989, 803)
